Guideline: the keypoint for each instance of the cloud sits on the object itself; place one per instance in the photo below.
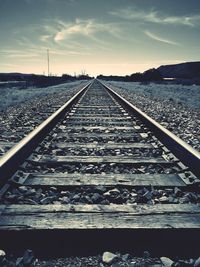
(37, 54)
(159, 39)
(86, 28)
(154, 17)
(53, 33)
(79, 53)
(10, 53)
(45, 37)
(10, 65)
(68, 52)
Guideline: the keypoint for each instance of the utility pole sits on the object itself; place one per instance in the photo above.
(48, 60)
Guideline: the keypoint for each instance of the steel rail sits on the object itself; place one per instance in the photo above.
(11, 160)
(184, 152)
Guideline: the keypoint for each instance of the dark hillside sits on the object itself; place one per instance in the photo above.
(188, 70)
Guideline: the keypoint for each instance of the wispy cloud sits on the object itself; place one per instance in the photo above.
(77, 37)
(159, 39)
(64, 52)
(14, 53)
(34, 53)
(10, 65)
(45, 37)
(46, 40)
(87, 28)
(154, 17)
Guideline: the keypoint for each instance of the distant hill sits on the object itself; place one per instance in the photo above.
(14, 76)
(188, 70)
(40, 80)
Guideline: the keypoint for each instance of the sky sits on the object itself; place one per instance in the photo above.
(117, 37)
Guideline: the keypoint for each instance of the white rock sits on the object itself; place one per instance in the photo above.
(134, 194)
(166, 261)
(109, 257)
(2, 254)
(114, 191)
(164, 199)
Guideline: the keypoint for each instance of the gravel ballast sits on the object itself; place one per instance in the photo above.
(20, 118)
(176, 107)
(107, 258)
(99, 195)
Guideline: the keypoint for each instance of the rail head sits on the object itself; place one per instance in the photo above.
(11, 160)
(187, 154)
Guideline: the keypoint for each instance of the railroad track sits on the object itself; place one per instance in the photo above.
(100, 174)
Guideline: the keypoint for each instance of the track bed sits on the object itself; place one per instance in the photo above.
(99, 177)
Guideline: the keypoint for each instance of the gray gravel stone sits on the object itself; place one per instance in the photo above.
(97, 195)
(47, 200)
(19, 262)
(148, 195)
(197, 262)
(162, 108)
(23, 189)
(177, 192)
(64, 200)
(125, 257)
(100, 189)
(76, 197)
(146, 254)
(28, 257)
(96, 198)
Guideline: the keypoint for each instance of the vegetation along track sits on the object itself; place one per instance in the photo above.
(99, 174)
